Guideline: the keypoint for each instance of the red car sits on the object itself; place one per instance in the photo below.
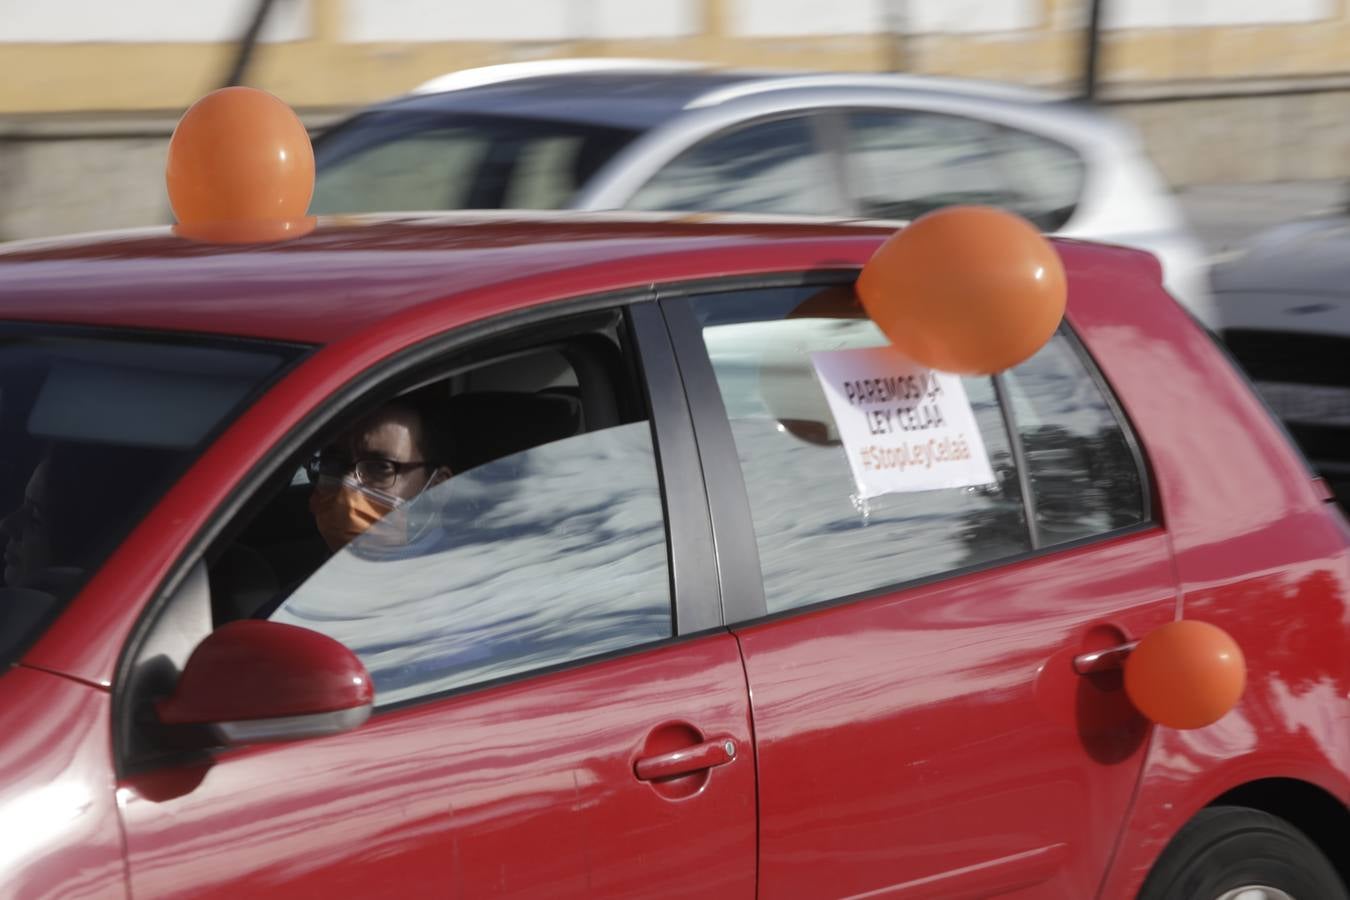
(634, 630)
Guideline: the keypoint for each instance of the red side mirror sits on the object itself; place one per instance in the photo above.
(255, 680)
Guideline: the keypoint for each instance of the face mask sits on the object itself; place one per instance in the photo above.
(344, 510)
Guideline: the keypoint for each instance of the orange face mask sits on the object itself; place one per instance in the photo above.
(343, 511)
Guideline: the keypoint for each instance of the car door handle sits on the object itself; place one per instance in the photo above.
(686, 760)
(1098, 661)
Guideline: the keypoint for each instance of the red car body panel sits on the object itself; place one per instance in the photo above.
(956, 752)
(523, 790)
(60, 834)
(1258, 552)
(1009, 775)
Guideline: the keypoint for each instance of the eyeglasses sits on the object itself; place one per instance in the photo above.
(373, 471)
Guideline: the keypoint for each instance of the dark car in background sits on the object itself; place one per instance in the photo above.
(1283, 305)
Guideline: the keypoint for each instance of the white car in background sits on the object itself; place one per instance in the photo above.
(634, 134)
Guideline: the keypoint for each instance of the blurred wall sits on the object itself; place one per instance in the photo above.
(1223, 90)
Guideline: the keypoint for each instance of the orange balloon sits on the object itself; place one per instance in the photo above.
(1186, 674)
(971, 290)
(239, 154)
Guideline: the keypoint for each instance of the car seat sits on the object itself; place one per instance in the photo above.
(242, 582)
(489, 425)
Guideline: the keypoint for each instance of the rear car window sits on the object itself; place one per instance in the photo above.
(1062, 464)
(93, 430)
(411, 161)
(817, 539)
(1084, 474)
(904, 163)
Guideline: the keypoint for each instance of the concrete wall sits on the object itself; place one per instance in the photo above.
(1287, 135)
(146, 55)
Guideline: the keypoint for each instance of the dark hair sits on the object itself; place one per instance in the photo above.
(428, 404)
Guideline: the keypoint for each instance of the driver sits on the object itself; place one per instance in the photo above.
(373, 471)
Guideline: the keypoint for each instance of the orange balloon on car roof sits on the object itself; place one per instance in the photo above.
(966, 289)
(239, 155)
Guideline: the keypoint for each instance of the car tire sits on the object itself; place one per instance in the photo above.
(1225, 849)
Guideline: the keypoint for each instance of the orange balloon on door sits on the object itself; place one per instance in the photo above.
(1185, 674)
(971, 290)
(240, 165)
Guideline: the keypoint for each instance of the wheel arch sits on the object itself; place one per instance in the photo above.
(1311, 809)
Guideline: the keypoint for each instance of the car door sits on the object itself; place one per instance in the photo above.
(922, 727)
(558, 710)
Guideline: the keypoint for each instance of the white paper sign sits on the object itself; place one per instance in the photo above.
(904, 427)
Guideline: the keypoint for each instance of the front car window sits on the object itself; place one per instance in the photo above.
(540, 557)
(95, 428)
(396, 160)
(533, 536)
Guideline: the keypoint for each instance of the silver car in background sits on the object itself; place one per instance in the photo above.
(616, 134)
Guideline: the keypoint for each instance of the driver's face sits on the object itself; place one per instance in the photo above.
(395, 436)
(384, 456)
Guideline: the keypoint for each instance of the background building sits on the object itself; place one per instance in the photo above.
(1223, 90)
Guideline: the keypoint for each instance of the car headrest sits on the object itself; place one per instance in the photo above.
(489, 425)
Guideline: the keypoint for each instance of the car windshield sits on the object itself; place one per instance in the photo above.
(401, 161)
(94, 428)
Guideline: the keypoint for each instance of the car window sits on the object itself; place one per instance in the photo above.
(905, 163)
(400, 160)
(540, 539)
(541, 557)
(1085, 479)
(93, 429)
(817, 539)
(768, 167)
(1048, 176)
(432, 169)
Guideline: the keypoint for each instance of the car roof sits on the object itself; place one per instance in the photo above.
(637, 95)
(633, 100)
(352, 272)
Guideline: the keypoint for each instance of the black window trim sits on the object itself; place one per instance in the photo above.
(696, 605)
(736, 547)
(1019, 455)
